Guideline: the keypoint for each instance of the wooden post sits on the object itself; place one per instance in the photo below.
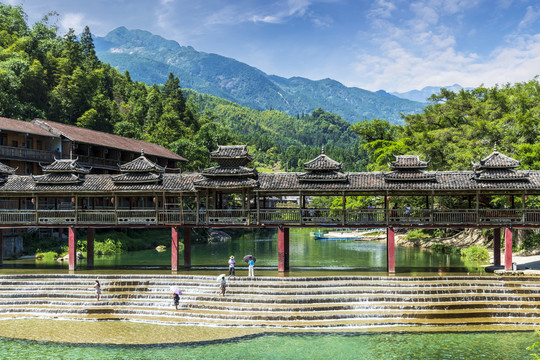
(507, 249)
(391, 250)
(283, 249)
(174, 248)
(497, 246)
(344, 206)
(90, 233)
(187, 247)
(72, 248)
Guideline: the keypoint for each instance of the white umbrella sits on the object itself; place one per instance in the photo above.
(220, 276)
(176, 290)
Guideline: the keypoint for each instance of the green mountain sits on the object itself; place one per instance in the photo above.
(150, 58)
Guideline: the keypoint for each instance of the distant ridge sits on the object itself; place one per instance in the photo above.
(150, 58)
(425, 93)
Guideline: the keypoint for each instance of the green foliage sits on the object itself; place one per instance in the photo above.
(477, 254)
(59, 78)
(534, 347)
(150, 58)
(461, 127)
(417, 234)
(445, 249)
(108, 247)
(49, 255)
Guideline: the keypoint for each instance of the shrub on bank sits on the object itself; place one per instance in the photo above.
(445, 249)
(475, 253)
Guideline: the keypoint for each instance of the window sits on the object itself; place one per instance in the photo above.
(3, 140)
(39, 145)
(29, 143)
(14, 143)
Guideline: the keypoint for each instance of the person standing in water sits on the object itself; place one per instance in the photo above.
(232, 262)
(223, 285)
(97, 287)
(251, 264)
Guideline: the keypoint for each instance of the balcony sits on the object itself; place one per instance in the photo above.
(16, 153)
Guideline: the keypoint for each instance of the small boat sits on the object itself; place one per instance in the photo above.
(339, 235)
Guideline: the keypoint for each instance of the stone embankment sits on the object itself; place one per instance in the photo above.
(323, 303)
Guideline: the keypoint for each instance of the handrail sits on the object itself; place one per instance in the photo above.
(275, 216)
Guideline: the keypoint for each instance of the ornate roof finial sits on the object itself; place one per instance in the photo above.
(142, 152)
(495, 147)
(322, 150)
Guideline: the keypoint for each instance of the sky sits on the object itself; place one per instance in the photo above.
(394, 45)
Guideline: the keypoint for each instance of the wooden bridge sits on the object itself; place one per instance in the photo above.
(143, 194)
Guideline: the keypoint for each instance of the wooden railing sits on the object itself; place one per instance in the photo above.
(292, 217)
(9, 152)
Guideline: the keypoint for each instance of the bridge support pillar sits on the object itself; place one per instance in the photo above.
(283, 249)
(390, 251)
(72, 248)
(90, 233)
(507, 249)
(497, 247)
(174, 248)
(187, 248)
(1, 248)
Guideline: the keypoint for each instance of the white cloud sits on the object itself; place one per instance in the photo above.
(530, 17)
(73, 21)
(400, 69)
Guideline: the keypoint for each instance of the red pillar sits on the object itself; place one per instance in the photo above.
(174, 248)
(1, 248)
(187, 247)
(72, 248)
(507, 249)
(283, 249)
(497, 246)
(391, 250)
(90, 233)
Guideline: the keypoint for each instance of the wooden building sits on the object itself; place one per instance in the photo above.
(232, 194)
(23, 145)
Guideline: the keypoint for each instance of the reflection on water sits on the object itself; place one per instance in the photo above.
(426, 346)
(306, 254)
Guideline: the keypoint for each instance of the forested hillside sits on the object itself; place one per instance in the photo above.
(150, 58)
(460, 127)
(43, 75)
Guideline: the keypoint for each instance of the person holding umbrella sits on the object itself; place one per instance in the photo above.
(250, 259)
(232, 262)
(176, 296)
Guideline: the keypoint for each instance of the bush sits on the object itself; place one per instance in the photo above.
(108, 247)
(49, 255)
(417, 234)
(445, 249)
(476, 254)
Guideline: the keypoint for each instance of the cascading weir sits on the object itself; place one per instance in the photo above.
(328, 303)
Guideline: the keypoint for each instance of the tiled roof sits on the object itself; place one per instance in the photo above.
(6, 170)
(130, 178)
(230, 151)
(496, 160)
(501, 175)
(23, 127)
(226, 183)
(322, 176)
(87, 136)
(65, 166)
(275, 182)
(322, 163)
(141, 164)
(229, 171)
(409, 175)
(408, 162)
(59, 178)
